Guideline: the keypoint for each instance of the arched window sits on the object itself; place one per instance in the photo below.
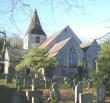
(72, 57)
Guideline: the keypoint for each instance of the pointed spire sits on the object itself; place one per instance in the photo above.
(35, 26)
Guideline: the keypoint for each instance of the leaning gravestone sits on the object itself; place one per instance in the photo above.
(78, 90)
(9, 78)
(86, 98)
(101, 94)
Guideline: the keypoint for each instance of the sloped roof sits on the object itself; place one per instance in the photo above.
(50, 39)
(16, 55)
(85, 46)
(58, 46)
(35, 26)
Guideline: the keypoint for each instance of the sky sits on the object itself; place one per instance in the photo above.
(89, 19)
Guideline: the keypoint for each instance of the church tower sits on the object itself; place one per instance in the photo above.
(35, 35)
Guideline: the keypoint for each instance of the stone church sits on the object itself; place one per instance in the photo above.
(64, 45)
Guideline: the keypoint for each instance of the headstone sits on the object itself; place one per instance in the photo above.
(56, 93)
(90, 84)
(78, 90)
(47, 84)
(36, 94)
(36, 82)
(42, 83)
(101, 94)
(19, 83)
(9, 78)
(86, 98)
(28, 82)
(29, 95)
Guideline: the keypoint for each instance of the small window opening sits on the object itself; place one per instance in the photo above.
(38, 39)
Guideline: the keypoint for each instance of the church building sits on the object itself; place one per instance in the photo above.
(64, 45)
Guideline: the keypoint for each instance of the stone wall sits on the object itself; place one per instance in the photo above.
(63, 57)
(91, 55)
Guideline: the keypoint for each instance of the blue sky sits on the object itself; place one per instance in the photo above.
(89, 20)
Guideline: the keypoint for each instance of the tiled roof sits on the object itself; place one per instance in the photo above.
(35, 26)
(50, 39)
(86, 45)
(58, 46)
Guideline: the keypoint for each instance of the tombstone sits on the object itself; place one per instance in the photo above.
(78, 89)
(47, 84)
(36, 82)
(86, 98)
(42, 82)
(36, 94)
(101, 94)
(29, 95)
(56, 93)
(19, 83)
(28, 82)
(9, 78)
(90, 84)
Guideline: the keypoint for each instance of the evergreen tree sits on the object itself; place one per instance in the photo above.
(102, 76)
(36, 59)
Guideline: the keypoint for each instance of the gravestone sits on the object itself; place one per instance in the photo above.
(47, 84)
(90, 84)
(55, 93)
(36, 82)
(9, 78)
(78, 90)
(101, 94)
(29, 95)
(28, 82)
(86, 98)
(19, 83)
(36, 94)
(42, 83)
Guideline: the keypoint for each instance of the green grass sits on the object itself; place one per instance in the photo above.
(9, 85)
(7, 91)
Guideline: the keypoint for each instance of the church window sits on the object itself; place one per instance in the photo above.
(65, 30)
(72, 57)
(38, 39)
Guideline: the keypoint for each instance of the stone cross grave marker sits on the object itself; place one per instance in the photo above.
(101, 94)
(86, 98)
(78, 89)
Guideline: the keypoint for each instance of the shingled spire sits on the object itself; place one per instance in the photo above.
(35, 26)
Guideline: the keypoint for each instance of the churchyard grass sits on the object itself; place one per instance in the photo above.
(10, 85)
